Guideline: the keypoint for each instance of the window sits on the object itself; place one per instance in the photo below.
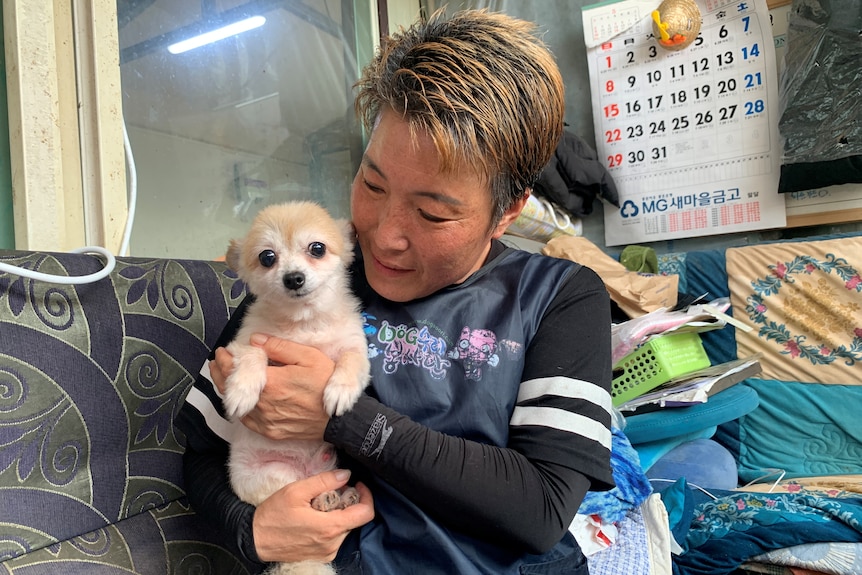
(259, 117)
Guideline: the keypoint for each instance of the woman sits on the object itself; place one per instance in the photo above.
(488, 416)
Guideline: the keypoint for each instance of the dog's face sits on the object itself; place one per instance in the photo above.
(291, 250)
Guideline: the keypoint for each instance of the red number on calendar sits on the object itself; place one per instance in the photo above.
(613, 135)
(608, 60)
(612, 111)
(609, 86)
(615, 161)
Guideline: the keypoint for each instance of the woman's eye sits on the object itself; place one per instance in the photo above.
(431, 218)
(371, 187)
(317, 249)
(267, 258)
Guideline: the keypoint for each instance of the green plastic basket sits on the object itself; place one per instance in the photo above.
(658, 361)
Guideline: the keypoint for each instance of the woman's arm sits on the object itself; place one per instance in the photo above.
(559, 446)
(212, 498)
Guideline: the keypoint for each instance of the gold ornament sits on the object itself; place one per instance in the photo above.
(676, 23)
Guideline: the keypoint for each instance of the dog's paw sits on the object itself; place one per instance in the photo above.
(339, 397)
(350, 377)
(349, 496)
(327, 501)
(240, 397)
(336, 500)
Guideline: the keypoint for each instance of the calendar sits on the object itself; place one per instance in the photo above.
(690, 137)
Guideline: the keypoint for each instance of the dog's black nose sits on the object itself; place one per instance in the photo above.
(293, 280)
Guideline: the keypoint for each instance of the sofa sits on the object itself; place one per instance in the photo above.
(91, 378)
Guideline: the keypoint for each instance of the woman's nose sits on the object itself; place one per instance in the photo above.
(392, 228)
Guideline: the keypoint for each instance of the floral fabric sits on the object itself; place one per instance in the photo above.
(804, 300)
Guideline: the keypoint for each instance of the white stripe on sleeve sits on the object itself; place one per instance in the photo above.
(556, 418)
(218, 424)
(563, 420)
(565, 387)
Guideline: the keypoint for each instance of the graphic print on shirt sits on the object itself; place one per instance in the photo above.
(370, 331)
(412, 345)
(416, 345)
(476, 348)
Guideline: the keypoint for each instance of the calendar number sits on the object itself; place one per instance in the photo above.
(701, 92)
(726, 113)
(703, 118)
(752, 80)
(724, 59)
(701, 65)
(726, 86)
(680, 123)
(756, 107)
(752, 52)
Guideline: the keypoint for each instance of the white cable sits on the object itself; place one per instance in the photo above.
(133, 191)
(110, 261)
(68, 280)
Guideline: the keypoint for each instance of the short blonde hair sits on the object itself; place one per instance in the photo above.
(483, 86)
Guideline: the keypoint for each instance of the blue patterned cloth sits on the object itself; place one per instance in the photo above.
(632, 485)
(722, 534)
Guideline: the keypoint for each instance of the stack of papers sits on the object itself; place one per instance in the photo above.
(697, 386)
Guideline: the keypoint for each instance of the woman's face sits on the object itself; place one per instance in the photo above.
(419, 230)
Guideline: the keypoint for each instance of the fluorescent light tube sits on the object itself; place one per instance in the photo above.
(217, 34)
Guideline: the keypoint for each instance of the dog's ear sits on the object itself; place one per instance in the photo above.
(233, 255)
(349, 235)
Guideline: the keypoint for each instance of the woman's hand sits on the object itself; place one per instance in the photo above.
(291, 403)
(286, 528)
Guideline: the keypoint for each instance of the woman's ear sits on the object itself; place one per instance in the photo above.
(510, 215)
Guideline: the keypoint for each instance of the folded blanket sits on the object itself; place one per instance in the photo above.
(723, 533)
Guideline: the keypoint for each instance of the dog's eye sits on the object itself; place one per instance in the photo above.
(317, 249)
(267, 258)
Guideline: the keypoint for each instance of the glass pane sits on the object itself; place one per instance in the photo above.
(259, 117)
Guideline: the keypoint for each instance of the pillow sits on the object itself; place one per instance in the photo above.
(803, 429)
(803, 301)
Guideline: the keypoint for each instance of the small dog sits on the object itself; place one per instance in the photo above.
(295, 261)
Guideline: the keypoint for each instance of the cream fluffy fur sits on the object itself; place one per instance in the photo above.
(294, 260)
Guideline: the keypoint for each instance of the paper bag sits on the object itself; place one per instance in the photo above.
(636, 293)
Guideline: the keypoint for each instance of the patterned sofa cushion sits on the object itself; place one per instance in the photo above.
(91, 378)
(166, 540)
